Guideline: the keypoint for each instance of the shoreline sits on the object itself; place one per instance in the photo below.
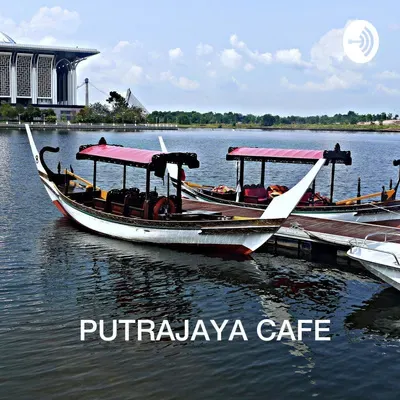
(90, 127)
(294, 127)
(164, 127)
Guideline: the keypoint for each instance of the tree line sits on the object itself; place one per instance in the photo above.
(28, 114)
(119, 111)
(196, 118)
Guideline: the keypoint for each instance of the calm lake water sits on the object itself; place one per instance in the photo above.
(53, 275)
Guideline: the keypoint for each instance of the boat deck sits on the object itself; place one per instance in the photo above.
(301, 227)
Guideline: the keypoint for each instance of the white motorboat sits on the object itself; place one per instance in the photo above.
(381, 258)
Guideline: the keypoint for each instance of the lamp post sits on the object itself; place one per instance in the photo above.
(19, 119)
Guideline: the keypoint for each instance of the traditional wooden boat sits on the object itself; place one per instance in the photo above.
(137, 216)
(381, 258)
(386, 211)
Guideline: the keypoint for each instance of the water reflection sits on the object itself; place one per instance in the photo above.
(118, 279)
(53, 275)
(379, 315)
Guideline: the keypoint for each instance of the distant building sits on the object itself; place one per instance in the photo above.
(391, 122)
(385, 122)
(44, 76)
(134, 102)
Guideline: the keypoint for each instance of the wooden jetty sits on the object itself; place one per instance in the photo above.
(324, 237)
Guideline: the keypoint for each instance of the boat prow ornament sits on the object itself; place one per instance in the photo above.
(338, 156)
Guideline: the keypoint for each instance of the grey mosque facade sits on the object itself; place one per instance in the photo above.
(44, 76)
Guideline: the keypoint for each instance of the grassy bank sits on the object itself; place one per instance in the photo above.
(125, 127)
(310, 127)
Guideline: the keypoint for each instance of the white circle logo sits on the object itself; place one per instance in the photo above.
(360, 41)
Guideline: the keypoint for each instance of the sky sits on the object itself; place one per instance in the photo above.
(278, 57)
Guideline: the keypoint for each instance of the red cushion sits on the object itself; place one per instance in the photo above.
(259, 192)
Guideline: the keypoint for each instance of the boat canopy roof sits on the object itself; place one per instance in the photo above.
(289, 155)
(152, 160)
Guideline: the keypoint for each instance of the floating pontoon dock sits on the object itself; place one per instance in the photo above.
(323, 235)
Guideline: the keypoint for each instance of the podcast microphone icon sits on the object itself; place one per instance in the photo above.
(367, 41)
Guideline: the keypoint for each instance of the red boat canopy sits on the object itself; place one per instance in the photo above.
(288, 155)
(117, 154)
(152, 160)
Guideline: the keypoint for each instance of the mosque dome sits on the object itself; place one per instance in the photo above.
(6, 39)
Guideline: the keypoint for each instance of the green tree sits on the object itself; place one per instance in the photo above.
(268, 120)
(183, 119)
(7, 111)
(117, 101)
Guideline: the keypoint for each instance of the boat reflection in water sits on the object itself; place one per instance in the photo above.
(111, 279)
(380, 315)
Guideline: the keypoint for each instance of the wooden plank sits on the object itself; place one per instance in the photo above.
(332, 227)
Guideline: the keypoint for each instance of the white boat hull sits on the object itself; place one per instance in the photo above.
(242, 243)
(381, 259)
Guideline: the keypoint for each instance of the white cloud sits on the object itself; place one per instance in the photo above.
(123, 44)
(235, 42)
(154, 55)
(291, 57)
(230, 58)
(186, 83)
(248, 67)
(212, 73)
(328, 51)
(387, 90)
(264, 58)
(45, 20)
(48, 41)
(240, 86)
(181, 82)
(175, 54)
(388, 75)
(134, 75)
(166, 76)
(204, 49)
(55, 19)
(337, 81)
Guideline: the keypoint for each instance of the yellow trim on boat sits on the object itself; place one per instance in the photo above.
(352, 200)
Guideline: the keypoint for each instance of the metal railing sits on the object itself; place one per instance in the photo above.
(382, 251)
(362, 243)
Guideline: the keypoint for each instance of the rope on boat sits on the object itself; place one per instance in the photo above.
(384, 209)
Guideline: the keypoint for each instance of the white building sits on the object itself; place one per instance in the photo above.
(44, 76)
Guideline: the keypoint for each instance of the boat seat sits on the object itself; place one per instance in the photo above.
(117, 208)
(134, 212)
(307, 199)
(82, 197)
(255, 194)
(99, 204)
(114, 196)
